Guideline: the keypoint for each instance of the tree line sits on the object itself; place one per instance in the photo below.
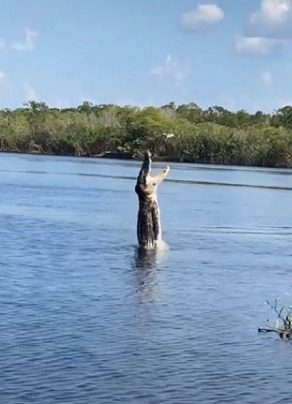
(184, 133)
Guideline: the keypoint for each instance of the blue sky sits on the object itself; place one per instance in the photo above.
(234, 53)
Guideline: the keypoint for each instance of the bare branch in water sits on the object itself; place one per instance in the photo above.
(283, 326)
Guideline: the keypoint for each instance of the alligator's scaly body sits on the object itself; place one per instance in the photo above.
(148, 223)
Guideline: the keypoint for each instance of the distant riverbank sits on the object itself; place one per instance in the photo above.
(184, 133)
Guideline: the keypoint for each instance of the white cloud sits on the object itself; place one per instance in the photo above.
(270, 27)
(30, 93)
(28, 44)
(203, 16)
(255, 45)
(273, 19)
(171, 70)
(266, 77)
(273, 12)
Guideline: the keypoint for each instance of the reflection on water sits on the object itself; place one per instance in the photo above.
(146, 259)
(146, 265)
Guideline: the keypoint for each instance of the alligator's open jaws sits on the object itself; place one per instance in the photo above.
(148, 224)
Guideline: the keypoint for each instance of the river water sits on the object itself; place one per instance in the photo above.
(85, 319)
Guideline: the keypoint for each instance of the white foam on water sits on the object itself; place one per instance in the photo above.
(162, 246)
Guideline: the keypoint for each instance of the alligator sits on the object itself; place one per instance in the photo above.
(148, 221)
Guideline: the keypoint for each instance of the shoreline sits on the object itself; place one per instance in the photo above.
(106, 155)
(126, 157)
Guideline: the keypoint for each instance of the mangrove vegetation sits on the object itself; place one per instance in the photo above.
(172, 132)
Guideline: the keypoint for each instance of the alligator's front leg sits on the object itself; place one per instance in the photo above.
(148, 223)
